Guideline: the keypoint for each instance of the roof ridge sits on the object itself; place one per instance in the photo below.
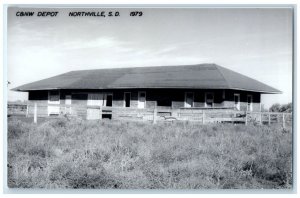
(220, 70)
(135, 67)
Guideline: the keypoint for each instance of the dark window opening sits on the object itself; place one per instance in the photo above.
(209, 100)
(109, 100)
(54, 114)
(106, 116)
(54, 96)
(189, 99)
(142, 95)
(249, 103)
(167, 102)
(127, 99)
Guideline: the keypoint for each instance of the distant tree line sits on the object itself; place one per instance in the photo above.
(286, 108)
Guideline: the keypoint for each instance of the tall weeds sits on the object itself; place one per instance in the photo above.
(127, 155)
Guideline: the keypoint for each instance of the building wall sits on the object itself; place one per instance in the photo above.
(41, 99)
(256, 99)
(169, 98)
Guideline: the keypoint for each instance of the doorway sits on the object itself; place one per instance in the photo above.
(237, 104)
(209, 100)
(109, 98)
(127, 97)
(189, 99)
(141, 99)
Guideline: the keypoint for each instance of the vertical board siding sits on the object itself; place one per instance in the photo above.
(222, 99)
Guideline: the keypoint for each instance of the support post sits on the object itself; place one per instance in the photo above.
(35, 113)
(100, 111)
(154, 115)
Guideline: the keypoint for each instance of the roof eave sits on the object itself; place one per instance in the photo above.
(132, 87)
(27, 90)
(260, 91)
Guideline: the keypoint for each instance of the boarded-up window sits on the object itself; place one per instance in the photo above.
(68, 100)
(95, 99)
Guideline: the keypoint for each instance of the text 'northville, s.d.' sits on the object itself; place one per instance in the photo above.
(77, 14)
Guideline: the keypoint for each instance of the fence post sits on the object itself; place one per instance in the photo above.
(260, 118)
(35, 113)
(27, 109)
(246, 118)
(154, 115)
(234, 116)
(269, 119)
(283, 121)
(203, 117)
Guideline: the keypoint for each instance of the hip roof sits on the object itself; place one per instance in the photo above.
(201, 76)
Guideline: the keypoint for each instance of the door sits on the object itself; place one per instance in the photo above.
(209, 100)
(142, 100)
(189, 99)
(95, 101)
(237, 104)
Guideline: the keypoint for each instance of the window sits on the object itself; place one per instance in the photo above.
(54, 96)
(249, 103)
(237, 101)
(142, 99)
(164, 99)
(127, 97)
(209, 100)
(189, 99)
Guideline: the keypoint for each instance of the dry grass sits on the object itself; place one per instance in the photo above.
(109, 154)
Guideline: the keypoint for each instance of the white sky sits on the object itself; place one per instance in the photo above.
(254, 42)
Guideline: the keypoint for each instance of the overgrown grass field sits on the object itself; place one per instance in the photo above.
(60, 153)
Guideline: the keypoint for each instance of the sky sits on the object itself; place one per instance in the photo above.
(254, 42)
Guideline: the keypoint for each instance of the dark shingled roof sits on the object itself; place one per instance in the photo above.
(202, 76)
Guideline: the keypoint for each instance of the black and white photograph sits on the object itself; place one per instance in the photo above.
(150, 98)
